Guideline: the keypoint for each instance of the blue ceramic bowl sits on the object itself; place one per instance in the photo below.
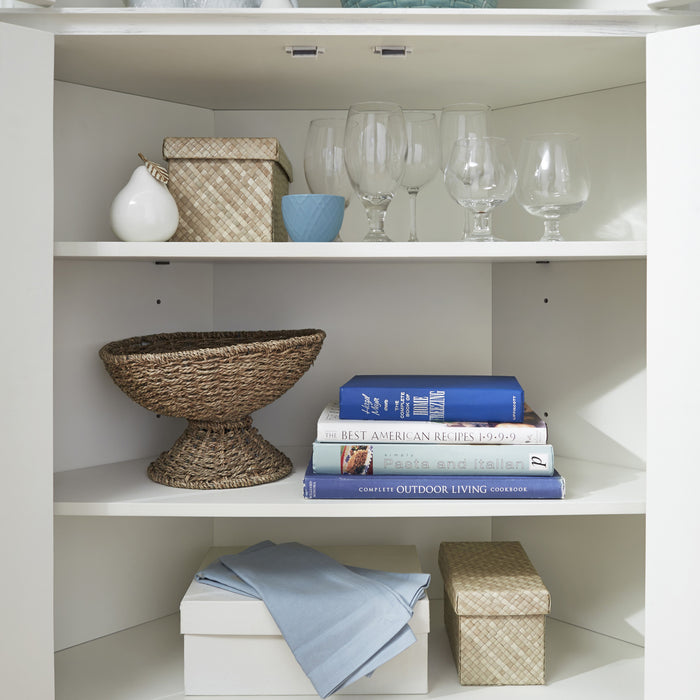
(313, 217)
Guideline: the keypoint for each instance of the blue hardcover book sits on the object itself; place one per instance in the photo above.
(424, 458)
(444, 487)
(432, 397)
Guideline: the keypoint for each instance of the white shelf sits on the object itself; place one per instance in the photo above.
(146, 663)
(507, 251)
(124, 489)
(243, 53)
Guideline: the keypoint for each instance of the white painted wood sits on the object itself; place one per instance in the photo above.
(124, 489)
(243, 54)
(586, 51)
(592, 567)
(612, 128)
(579, 664)
(94, 420)
(98, 137)
(674, 327)
(352, 251)
(26, 181)
(574, 335)
(114, 573)
(403, 333)
(615, 151)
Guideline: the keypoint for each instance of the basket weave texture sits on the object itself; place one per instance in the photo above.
(228, 189)
(435, 4)
(214, 380)
(495, 607)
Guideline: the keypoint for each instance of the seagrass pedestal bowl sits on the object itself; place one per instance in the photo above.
(214, 380)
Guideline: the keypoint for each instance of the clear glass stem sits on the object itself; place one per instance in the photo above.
(467, 233)
(551, 230)
(481, 230)
(412, 197)
(375, 217)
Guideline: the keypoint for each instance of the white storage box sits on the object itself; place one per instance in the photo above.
(234, 647)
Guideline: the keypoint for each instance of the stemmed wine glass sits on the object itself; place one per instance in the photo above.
(460, 121)
(324, 160)
(553, 179)
(480, 176)
(422, 159)
(375, 158)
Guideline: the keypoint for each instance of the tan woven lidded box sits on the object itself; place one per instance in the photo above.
(228, 189)
(495, 607)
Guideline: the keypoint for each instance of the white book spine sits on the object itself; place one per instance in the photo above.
(331, 428)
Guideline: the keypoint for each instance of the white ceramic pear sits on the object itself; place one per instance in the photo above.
(144, 210)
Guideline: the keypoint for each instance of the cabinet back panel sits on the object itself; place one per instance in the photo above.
(362, 531)
(610, 122)
(574, 334)
(379, 318)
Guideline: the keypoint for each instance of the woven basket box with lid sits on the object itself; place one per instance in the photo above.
(495, 607)
(228, 189)
(234, 647)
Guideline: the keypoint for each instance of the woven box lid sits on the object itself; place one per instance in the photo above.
(227, 148)
(491, 579)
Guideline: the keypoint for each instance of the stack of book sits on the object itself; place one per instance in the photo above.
(431, 436)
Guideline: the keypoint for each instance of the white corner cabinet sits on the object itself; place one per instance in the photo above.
(601, 329)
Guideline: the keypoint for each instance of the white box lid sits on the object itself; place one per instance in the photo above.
(209, 610)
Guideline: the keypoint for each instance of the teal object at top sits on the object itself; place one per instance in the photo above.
(435, 4)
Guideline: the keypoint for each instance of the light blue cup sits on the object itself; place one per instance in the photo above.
(313, 217)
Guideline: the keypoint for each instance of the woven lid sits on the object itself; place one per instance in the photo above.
(491, 578)
(225, 148)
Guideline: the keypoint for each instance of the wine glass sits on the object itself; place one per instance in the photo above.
(324, 160)
(460, 121)
(422, 159)
(479, 176)
(553, 179)
(375, 158)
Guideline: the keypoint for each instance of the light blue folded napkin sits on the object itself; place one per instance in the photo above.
(340, 622)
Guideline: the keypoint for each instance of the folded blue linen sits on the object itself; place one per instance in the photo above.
(340, 622)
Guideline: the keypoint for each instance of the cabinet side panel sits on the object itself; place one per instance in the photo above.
(611, 125)
(114, 573)
(97, 302)
(379, 318)
(593, 568)
(673, 85)
(26, 216)
(98, 135)
(574, 334)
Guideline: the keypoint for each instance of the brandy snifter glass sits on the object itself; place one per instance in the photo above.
(553, 179)
(480, 176)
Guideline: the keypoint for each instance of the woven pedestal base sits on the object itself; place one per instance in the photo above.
(212, 455)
